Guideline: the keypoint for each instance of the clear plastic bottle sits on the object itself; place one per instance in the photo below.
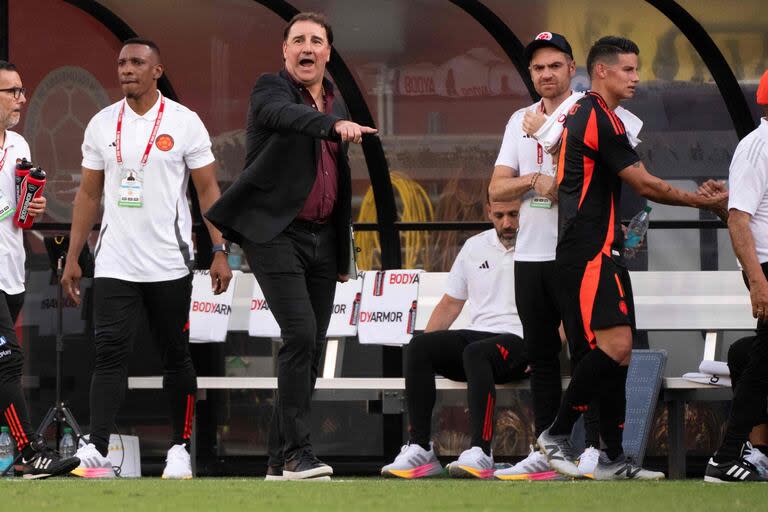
(67, 447)
(638, 227)
(235, 257)
(6, 450)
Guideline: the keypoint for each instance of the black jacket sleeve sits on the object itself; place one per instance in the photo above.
(274, 106)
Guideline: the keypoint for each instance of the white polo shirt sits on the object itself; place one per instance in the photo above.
(748, 184)
(537, 237)
(154, 242)
(12, 255)
(483, 275)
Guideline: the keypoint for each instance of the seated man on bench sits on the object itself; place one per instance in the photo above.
(489, 351)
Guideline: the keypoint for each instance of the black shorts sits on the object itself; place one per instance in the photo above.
(596, 295)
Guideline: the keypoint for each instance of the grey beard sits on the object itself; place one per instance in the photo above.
(508, 243)
(9, 122)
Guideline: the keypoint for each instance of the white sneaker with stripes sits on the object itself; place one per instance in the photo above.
(533, 467)
(92, 463)
(413, 461)
(472, 463)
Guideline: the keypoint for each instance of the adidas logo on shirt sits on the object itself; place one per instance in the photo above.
(484, 265)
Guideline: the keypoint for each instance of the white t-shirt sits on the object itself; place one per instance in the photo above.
(154, 242)
(483, 275)
(12, 255)
(537, 237)
(748, 183)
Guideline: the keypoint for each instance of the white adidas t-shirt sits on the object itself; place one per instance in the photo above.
(537, 237)
(154, 242)
(748, 184)
(483, 275)
(12, 255)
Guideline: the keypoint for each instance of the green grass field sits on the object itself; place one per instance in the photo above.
(375, 494)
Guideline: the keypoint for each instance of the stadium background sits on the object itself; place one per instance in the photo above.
(439, 79)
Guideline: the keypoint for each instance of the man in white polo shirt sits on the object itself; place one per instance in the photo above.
(139, 154)
(39, 461)
(748, 226)
(490, 350)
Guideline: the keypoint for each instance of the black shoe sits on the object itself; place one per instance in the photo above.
(274, 473)
(46, 462)
(739, 470)
(305, 465)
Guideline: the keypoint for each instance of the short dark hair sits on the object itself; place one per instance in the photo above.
(7, 66)
(144, 42)
(314, 17)
(608, 48)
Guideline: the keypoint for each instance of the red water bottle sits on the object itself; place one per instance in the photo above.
(22, 169)
(378, 283)
(353, 318)
(411, 326)
(31, 187)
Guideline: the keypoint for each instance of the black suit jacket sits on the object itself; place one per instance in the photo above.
(282, 147)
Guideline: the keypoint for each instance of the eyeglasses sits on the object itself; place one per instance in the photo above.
(16, 91)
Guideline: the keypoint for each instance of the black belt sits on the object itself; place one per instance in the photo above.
(306, 225)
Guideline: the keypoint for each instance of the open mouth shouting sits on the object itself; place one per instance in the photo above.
(306, 63)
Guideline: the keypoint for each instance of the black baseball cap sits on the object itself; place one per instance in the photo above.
(548, 39)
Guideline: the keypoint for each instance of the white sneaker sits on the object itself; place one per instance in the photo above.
(472, 463)
(178, 464)
(588, 461)
(413, 461)
(622, 468)
(758, 459)
(92, 463)
(533, 467)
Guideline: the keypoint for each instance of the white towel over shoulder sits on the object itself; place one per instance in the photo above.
(552, 130)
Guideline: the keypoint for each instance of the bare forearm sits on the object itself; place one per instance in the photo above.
(443, 316)
(206, 200)
(84, 215)
(744, 247)
(509, 189)
(662, 192)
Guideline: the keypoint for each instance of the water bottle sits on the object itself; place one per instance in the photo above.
(638, 226)
(31, 188)
(67, 447)
(235, 257)
(6, 450)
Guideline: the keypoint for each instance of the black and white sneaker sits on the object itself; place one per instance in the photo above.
(274, 473)
(46, 462)
(739, 470)
(306, 466)
(559, 453)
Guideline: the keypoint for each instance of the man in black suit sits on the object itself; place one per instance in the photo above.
(290, 210)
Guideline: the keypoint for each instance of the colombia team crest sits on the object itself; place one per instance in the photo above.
(164, 142)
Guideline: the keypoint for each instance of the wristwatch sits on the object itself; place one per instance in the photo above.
(220, 248)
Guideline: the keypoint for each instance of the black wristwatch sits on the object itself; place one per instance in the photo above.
(220, 248)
